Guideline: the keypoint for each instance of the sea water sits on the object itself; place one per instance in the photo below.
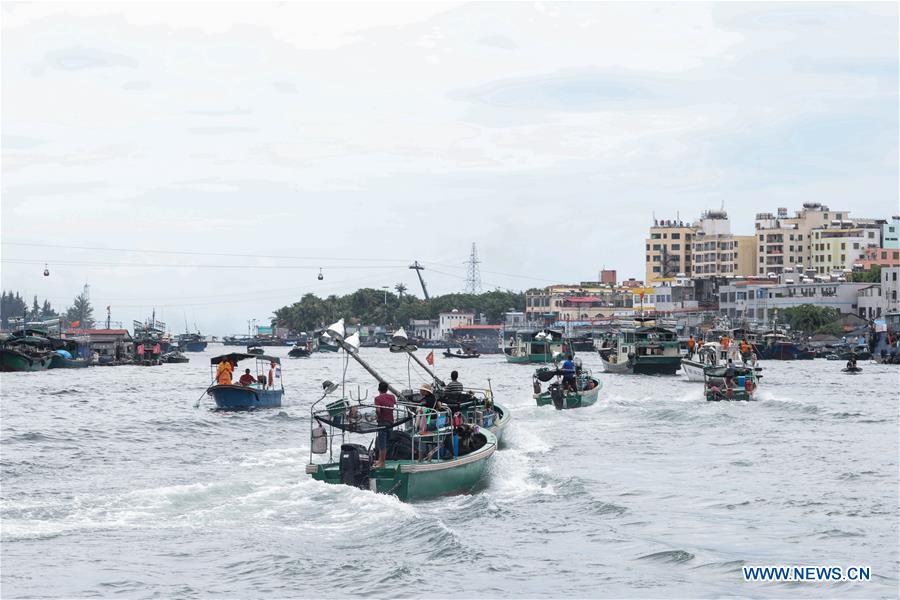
(114, 484)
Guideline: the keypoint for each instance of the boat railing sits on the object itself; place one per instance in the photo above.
(428, 428)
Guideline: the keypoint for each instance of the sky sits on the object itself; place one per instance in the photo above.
(207, 160)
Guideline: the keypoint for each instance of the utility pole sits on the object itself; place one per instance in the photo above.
(418, 269)
(473, 274)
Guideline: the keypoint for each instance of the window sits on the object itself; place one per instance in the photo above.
(656, 246)
(843, 246)
(676, 246)
(648, 248)
(762, 238)
(676, 236)
(838, 216)
(856, 245)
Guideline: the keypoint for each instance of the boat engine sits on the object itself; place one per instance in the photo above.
(557, 395)
(354, 465)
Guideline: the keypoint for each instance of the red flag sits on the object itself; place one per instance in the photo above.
(76, 323)
(430, 358)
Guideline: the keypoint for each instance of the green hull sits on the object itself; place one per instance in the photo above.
(413, 480)
(572, 399)
(60, 362)
(12, 360)
(529, 359)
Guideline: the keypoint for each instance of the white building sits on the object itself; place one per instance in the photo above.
(760, 300)
(448, 321)
(426, 329)
(889, 289)
(889, 233)
(869, 302)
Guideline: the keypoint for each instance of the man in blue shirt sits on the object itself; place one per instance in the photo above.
(568, 373)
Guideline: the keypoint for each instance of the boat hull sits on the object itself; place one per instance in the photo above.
(693, 370)
(14, 361)
(529, 359)
(61, 362)
(412, 480)
(192, 347)
(239, 397)
(572, 400)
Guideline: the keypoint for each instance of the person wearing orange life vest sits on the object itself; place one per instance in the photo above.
(223, 372)
(690, 346)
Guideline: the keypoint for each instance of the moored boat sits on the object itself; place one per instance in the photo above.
(300, 350)
(24, 359)
(191, 342)
(174, 357)
(264, 390)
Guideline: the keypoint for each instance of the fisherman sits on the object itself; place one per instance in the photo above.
(568, 373)
(224, 371)
(745, 347)
(274, 372)
(454, 387)
(729, 374)
(426, 396)
(690, 346)
(384, 410)
(247, 379)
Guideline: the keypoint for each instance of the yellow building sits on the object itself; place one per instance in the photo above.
(668, 250)
(719, 253)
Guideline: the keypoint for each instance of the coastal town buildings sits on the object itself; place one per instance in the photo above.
(889, 233)
(837, 247)
(668, 249)
(717, 252)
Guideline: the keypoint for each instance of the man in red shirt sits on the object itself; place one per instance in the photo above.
(384, 411)
(247, 379)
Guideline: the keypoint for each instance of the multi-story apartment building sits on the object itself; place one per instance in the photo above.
(890, 289)
(716, 252)
(668, 249)
(782, 242)
(839, 246)
(889, 233)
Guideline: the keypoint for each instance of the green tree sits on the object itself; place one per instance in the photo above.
(11, 307)
(873, 275)
(47, 311)
(35, 310)
(809, 318)
(82, 311)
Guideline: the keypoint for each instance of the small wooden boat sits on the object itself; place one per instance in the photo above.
(741, 386)
(585, 393)
(67, 361)
(300, 351)
(265, 392)
(852, 370)
(174, 357)
(461, 353)
(255, 350)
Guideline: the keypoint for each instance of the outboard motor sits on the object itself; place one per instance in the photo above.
(557, 395)
(354, 465)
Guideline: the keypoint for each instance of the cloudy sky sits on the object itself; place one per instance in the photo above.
(250, 145)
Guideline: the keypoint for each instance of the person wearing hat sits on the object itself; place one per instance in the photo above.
(426, 396)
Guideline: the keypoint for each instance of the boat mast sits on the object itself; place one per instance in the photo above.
(351, 351)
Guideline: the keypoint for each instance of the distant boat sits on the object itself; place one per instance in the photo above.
(255, 350)
(191, 342)
(461, 353)
(741, 386)
(300, 351)
(534, 346)
(263, 393)
(174, 357)
(643, 350)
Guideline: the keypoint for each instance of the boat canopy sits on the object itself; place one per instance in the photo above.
(239, 356)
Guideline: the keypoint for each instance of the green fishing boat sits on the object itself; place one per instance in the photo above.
(730, 382)
(530, 346)
(427, 456)
(477, 405)
(562, 393)
(22, 359)
(429, 450)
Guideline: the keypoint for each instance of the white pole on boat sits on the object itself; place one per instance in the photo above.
(336, 332)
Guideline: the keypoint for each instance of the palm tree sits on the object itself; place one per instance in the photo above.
(400, 290)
